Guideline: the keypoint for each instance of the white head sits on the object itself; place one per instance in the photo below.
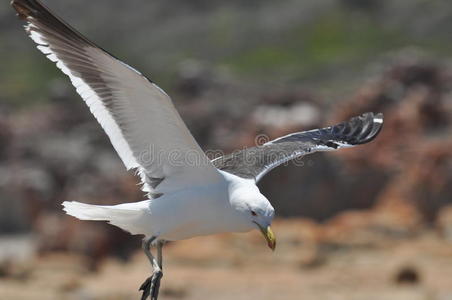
(254, 209)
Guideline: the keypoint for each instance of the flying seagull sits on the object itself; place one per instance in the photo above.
(187, 194)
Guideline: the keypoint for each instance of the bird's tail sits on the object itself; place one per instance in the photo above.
(127, 216)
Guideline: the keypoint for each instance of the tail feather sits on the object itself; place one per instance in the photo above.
(128, 216)
(84, 211)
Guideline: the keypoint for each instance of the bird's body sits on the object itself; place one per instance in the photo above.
(180, 214)
(188, 195)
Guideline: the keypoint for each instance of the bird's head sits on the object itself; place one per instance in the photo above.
(257, 212)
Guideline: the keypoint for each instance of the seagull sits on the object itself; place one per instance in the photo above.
(188, 194)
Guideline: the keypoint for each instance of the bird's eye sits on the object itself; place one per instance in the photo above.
(253, 213)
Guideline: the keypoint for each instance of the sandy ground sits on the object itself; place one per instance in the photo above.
(239, 266)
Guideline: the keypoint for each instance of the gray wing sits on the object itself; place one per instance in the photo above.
(139, 118)
(255, 162)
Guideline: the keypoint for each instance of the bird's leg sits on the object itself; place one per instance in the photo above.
(152, 285)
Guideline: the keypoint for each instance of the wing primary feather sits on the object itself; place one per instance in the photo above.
(356, 131)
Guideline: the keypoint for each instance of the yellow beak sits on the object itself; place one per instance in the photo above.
(269, 236)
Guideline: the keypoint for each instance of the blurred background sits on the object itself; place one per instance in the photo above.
(373, 222)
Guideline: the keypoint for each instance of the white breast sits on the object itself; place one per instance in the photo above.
(196, 211)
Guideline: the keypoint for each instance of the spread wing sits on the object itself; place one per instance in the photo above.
(138, 117)
(255, 162)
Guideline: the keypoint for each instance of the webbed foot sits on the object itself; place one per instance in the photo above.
(151, 286)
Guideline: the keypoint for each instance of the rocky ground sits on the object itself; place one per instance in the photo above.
(311, 262)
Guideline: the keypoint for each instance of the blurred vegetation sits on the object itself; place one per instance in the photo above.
(326, 43)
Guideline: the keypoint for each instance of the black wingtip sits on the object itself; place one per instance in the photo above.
(22, 8)
(363, 129)
(29, 8)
